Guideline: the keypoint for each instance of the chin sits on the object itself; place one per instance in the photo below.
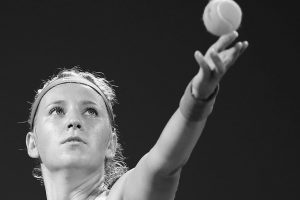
(79, 161)
(75, 158)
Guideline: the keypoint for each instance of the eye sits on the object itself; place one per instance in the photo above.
(57, 110)
(91, 112)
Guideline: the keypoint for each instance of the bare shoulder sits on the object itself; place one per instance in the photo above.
(103, 196)
(116, 192)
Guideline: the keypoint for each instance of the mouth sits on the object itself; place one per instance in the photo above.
(73, 140)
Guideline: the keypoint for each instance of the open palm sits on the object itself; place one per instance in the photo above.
(215, 63)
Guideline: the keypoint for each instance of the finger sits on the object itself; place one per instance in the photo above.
(224, 41)
(234, 53)
(235, 50)
(245, 45)
(219, 66)
(202, 62)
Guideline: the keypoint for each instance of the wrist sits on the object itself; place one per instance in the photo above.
(206, 96)
(195, 109)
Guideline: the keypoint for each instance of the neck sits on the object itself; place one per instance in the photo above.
(72, 184)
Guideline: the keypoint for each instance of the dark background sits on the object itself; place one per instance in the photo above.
(249, 148)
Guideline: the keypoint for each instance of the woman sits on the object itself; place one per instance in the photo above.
(73, 136)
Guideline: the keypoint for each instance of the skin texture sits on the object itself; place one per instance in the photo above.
(72, 172)
(215, 63)
(71, 110)
(157, 174)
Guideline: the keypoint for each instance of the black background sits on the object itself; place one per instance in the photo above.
(249, 147)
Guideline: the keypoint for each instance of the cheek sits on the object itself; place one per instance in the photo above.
(46, 139)
(100, 136)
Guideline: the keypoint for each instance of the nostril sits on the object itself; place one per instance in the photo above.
(74, 125)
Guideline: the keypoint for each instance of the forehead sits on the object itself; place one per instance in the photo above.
(72, 92)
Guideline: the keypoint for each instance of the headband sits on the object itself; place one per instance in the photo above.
(60, 81)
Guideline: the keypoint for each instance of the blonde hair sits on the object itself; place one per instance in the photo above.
(114, 167)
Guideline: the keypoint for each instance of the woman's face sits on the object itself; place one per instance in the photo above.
(72, 128)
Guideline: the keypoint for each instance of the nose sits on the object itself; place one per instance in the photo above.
(73, 117)
(74, 124)
(74, 121)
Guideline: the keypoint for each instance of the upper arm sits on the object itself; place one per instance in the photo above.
(144, 183)
(156, 175)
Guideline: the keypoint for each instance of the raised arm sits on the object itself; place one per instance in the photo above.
(182, 132)
(157, 174)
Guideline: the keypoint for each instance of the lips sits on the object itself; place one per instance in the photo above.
(73, 139)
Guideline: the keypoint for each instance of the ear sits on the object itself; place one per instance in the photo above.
(112, 146)
(31, 145)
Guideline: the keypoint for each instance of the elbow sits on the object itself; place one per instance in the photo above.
(163, 166)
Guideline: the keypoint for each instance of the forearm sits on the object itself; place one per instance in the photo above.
(181, 133)
(161, 166)
(176, 143)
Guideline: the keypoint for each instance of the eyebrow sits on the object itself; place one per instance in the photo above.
(85, 102)
(56, 102)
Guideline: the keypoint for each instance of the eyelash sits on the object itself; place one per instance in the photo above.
(59, 110)
(56, 109)
(92, 110)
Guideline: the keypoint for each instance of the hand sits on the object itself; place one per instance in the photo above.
(215, 64)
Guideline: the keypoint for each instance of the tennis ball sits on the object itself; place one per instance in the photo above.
(222, 16)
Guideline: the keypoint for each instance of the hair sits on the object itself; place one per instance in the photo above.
(114, 167)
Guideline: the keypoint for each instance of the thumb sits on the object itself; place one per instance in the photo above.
(202, 64)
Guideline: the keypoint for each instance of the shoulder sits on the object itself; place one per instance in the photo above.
(103, 196)
(116, 192)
